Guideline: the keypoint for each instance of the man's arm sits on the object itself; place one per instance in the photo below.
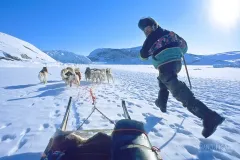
(144, 51)
(143, 55)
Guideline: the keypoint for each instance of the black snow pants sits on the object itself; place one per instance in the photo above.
(168, 81)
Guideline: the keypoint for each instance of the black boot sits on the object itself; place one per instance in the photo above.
(161, 102)
(210, 124)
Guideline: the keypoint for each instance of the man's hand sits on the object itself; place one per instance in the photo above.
(143, 59)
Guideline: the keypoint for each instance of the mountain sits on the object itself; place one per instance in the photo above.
(117, 56)
(219, 58)
(131, 56)
(68, 57)
(14, 49)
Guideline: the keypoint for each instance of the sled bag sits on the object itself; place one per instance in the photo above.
(130, 142)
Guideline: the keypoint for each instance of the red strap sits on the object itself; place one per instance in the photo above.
(154, 148)
(93, 97)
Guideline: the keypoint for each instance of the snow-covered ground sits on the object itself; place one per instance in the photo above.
(30, 112)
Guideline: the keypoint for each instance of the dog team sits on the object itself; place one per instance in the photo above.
(72, 75)
(98, 75)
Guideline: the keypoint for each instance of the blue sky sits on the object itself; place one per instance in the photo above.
(84, 25)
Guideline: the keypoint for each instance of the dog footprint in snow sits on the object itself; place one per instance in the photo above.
(80, 103)
(6, 125)
(185, 132)
(148, 115)
(118, 105)
(138, 106)
(156, 132)
(119, 115)
(43, 126)
(180, 129)
(130, 103)
(57, 114)
(175, 125)
(130, 111)
(231, 130)
(198, 123)
(229, 139)
(161, 123)
(8, 137)
(151, 104)
(145, 114)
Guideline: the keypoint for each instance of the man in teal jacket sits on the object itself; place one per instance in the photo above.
(167, 49)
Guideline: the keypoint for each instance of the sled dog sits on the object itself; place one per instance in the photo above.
(109, 75)
(43, 75)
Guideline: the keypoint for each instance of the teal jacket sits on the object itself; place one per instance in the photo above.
(163, 46)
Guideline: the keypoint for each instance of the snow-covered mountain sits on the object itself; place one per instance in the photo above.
(131, 56)
(226, 59)
(14, 49)
(117, 56)
(68, 57)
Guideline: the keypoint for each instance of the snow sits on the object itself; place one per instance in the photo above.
(31, 112)
(16, 47)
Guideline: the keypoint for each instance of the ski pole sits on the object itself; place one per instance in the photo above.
(187, 72)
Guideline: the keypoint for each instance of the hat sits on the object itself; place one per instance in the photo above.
(144, 22)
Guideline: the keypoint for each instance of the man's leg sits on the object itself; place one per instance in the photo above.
(183, 94)
(163, 93)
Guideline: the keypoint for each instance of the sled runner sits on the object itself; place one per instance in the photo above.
(127, 141)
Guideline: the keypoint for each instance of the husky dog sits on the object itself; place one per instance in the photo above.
(79, 77)
(70, 69)
(96, 75)
(103, 74)
(43, 75)
(63, 74)
(109, 74)
(99, 75)
(88, 74)
(70, 77)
